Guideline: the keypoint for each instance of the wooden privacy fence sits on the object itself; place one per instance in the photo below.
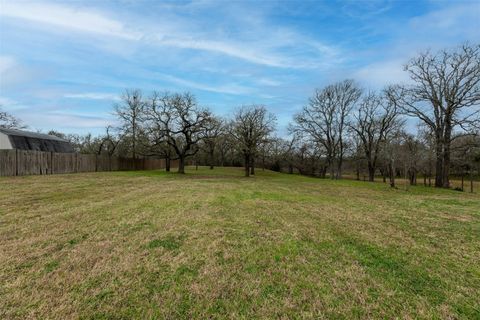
(25, 162)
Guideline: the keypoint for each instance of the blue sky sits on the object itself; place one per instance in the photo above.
(63, 64)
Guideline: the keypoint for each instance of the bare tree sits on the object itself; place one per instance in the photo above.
(325, 120)
(226, 147)
(375, 119)
(427, 153)
(109, 142)
(9, 121)
(445, 96)
(251, 126)
(179, 122)
(392, 153)
(213, 129)
(130, 113)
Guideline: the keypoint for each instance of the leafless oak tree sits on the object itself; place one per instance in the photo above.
(213, 130)
(445, 96)
(325, 120)
(250, 127)
(375, 119)
(130, 112)
(178, 121)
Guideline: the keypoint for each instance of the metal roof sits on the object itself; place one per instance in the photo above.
(28, 134)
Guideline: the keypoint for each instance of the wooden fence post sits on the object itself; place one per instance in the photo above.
(51, 162)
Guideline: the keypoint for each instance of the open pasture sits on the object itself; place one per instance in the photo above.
(213, 244)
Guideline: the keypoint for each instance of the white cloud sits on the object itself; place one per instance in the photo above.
(382, 73)
(92, 96)
(462, 18)
(6, 63)
(226, 48)
(268, 82)
(67, 17)
(257, 43)
(226, 88)
(444, 27)
(57, 120)
(12, 73)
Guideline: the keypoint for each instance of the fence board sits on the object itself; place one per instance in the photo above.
(27, 162)
(64, 162)
(33, 162)
(8, 162)
(85, 162)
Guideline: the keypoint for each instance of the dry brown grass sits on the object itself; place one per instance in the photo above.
(212, 244)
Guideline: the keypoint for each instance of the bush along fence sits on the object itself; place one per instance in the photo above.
(25, 162)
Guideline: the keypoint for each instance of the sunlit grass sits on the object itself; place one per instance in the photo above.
(213, 244)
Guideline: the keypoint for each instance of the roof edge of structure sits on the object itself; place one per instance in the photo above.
(29, 134)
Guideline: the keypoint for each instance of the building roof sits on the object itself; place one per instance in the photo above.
(29, 134)
(26, 140)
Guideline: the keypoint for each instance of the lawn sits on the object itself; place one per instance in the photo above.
(213, 244)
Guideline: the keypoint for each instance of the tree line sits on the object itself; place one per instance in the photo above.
(342, 128)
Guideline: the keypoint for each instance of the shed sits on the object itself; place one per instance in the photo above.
(25, 140)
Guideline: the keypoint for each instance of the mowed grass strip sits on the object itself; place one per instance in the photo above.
(213, 244)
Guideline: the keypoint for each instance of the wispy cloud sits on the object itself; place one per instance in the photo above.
(6, 63)
(226, 48)
(67, 17)
(61, 62)
(92, 96)
(262, 50)
(234, 89)
(379, 74)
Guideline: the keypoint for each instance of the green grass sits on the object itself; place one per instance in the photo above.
(213, 244)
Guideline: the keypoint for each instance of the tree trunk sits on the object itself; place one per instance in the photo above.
(332, 170)
(471, 182)
(323, 172)
(439, 164)
(181, 164)
(339, 167)
(252, 166)
(371, 172)
(211, 158)
(446, 165)
(247, 165)
(167, 164)
(290, 169)
(391, 174)
(413, 177)
(222, 159)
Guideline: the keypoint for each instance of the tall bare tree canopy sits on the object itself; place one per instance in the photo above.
(341, 127)
(130, 112)
(213, 130)
(180, 122)
(325, 120)
(250, 127)
(9, 121)
(376, 117)
(445, 96)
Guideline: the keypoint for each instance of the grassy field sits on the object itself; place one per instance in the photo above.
(212, 244)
